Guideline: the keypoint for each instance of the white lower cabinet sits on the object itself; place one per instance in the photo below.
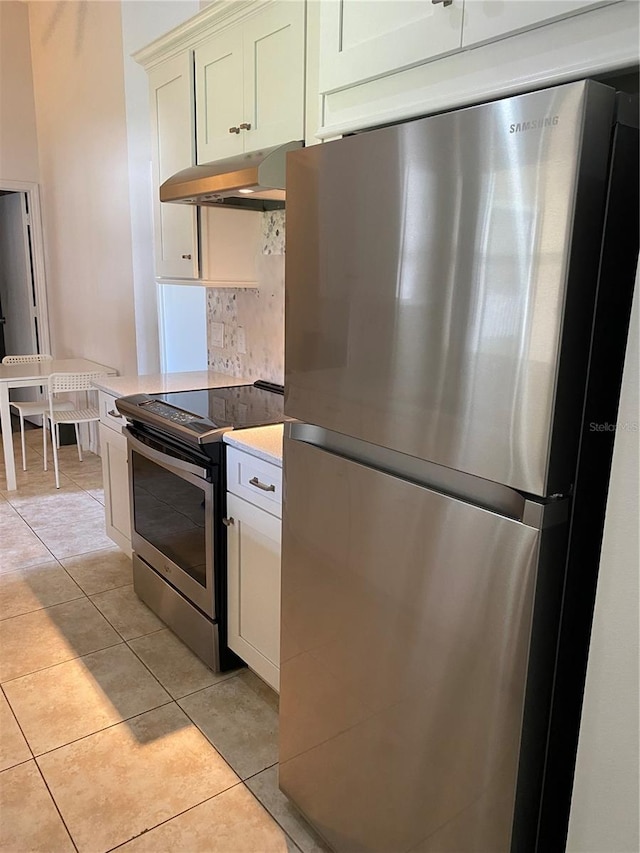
(115, 474)
(253, 581)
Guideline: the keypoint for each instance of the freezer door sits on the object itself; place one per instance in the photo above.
(429, 268)
(406, 619)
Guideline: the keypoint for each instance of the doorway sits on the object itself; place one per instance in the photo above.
(24, 320)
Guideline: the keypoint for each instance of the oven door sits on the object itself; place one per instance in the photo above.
(172, 515)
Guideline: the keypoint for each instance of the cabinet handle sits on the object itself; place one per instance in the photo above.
(444, 2)
(234, 130)
(254, 481)
(114, 414)
(186, 257)
(228, 521)
(246, 125)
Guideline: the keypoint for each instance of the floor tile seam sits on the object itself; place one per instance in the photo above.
(266, 807)
(115, 549)
(207, 738)
(155, 677)
(110, 589)
(124, 639)
(200, 689)
(35, 533)
(59, 526)
(13, 713)
(119, 722)
(57, 663)
(37, 609)
(57, 808)
(208, 687)
(177, 815)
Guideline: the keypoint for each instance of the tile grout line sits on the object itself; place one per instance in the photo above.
(53, 800)
(103, 729)
(6, 699)
(179, 814)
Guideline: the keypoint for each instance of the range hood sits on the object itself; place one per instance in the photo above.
(253, 181)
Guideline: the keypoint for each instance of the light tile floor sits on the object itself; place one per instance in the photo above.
(112, 733)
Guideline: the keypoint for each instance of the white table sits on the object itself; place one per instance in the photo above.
(27, 375)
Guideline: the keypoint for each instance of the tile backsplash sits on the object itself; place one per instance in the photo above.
(253, 340)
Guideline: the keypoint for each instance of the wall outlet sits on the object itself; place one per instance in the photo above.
(217, 335)
(242, 341)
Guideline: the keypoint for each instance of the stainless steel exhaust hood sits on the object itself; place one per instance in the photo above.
(254, 181)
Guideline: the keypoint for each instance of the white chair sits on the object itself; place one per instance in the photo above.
(61, 383)
(40, 407)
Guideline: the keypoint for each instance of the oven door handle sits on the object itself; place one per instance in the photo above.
(166, 460)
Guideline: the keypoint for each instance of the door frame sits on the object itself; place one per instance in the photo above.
(32, 191)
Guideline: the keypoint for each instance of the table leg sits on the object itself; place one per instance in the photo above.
(7, 440)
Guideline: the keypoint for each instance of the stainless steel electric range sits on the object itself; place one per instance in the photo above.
(177, 489)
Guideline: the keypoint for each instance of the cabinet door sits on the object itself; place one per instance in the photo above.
(218, 69)
(490, 19)
(115, 475)
(364, 39)
(253, 561)
(274, 51)
(175, 225)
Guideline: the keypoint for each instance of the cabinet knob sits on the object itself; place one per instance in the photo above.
(444, 2)
(228, 521)
(246, 125)
(186, 257)
(234, 130)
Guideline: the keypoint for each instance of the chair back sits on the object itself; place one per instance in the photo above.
(27, 359)
(60, 382)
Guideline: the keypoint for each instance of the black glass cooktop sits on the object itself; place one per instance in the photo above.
(198, 413)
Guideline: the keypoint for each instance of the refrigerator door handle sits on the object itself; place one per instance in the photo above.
(484, 494)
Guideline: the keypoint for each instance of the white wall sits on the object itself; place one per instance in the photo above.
(141, 24)
(18, 141)
(78, 81)
(605, 805)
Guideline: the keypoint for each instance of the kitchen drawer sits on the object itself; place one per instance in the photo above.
(109, 415)
(255, 480)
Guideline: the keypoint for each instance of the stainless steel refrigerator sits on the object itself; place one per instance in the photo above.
(457, 298)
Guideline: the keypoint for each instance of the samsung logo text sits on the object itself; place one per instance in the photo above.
(534, 124)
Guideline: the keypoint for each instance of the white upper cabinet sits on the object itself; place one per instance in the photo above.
(489, 19)
(250, 83)
(364, 39)
(219, 96)
(171, 97)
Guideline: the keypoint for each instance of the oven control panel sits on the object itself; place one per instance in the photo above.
(170, 413)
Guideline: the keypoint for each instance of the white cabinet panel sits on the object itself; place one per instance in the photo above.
(253, 549)
(115, 475)
(274, 54)
(229, 246)
(249, 83)
(364, 39)
(175, 226)
(485, 20)
(219, 88)
(182, 314)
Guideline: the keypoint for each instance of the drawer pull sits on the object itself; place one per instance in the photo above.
(112, 413)
(228, 521)
(254, 481)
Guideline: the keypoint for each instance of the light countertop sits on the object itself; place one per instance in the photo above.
(160, 383)
(265, 442)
